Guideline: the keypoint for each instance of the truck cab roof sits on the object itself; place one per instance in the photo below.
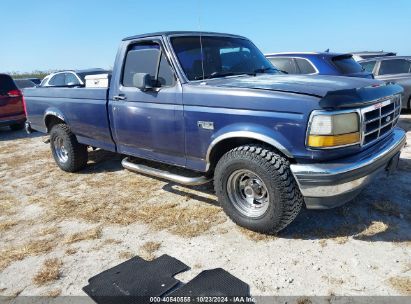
(181, 33)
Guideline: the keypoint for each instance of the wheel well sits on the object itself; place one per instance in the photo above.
(228, 144)
(52, 120)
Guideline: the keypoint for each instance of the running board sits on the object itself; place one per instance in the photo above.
(184, 180)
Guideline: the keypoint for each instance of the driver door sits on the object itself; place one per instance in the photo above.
(149, 124)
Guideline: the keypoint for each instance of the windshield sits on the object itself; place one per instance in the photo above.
(219, 56)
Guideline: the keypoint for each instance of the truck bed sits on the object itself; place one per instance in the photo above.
(84, 109)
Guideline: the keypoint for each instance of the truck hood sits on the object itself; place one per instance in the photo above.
(334, 91)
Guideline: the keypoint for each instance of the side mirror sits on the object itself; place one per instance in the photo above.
(142, 81)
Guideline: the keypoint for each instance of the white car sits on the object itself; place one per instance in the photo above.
(70, 78)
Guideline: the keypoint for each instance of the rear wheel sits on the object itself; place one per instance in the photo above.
(16, 127)
(69, 154)
(256, 189)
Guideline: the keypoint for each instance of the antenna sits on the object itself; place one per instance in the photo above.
(201, 39)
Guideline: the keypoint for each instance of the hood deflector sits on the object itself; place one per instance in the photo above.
(354, 98)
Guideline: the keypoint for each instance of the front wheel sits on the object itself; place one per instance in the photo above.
(256, 189)
(69, 154)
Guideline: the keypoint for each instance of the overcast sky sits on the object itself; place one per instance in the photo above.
(43, 35)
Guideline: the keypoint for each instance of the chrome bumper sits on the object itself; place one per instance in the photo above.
(327, 185)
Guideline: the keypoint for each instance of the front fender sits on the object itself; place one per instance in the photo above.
(251, 131)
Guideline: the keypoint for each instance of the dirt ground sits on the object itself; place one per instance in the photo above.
(59, 229)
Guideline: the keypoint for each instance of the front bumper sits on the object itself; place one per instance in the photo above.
(331, 184)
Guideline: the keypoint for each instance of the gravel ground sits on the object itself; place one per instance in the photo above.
(58, 229)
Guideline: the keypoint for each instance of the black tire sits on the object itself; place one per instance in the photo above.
(17, 127)
(75, 154)
(284, 197)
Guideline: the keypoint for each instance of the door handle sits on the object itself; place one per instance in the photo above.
(119, 97)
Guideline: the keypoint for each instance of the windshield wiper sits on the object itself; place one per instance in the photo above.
(264, 70)
(218, 75)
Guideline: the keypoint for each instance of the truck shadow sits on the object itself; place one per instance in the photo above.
(102, 161)
(7, 134)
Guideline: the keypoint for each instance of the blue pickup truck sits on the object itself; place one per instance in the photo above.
(214, 105)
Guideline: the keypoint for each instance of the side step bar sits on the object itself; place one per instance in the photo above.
(184, 180)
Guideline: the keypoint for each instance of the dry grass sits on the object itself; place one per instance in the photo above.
(53, 293)
(333, 281)
(7, 225)
(401, 284)
(375, 228)
(7, 203)
(341, 239)
(387, 207)
(18, 253)
(304, 301)
(71, 251)
(50, 272)
(323, 243)
(126, 255)
(148, 250)
(112, 241)
(189, 221)
(255, 236)
(91, 234)
(48, 231)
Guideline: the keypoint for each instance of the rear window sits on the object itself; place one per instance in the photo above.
(368, 66)
(24, 83)
(347, 65)
(6, 84)
(305, 66)
(284, 64)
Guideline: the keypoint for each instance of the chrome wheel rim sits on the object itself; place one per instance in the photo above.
(248, 193)
(60, 150)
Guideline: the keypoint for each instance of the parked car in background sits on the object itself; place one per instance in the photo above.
(322, 63)
(213, 104)
(357, 56)
(24, 83)
(394, 69)
(12, 109)
(37, 81)
(71, 78)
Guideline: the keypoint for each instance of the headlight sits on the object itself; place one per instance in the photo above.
(333, 130)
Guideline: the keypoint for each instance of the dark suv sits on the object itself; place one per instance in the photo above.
(12, 109)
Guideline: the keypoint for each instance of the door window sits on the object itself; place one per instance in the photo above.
(147, 58)
(394, 66)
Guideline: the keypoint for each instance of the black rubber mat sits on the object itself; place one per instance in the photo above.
(135, 281)
(212, 286)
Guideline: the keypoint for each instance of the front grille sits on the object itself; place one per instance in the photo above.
(379, 119)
